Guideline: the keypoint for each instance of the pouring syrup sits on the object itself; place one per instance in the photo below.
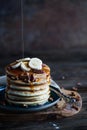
(22, 28)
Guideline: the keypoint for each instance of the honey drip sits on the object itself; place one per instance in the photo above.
(22, 28)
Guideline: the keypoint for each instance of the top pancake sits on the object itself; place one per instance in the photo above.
(29, 77)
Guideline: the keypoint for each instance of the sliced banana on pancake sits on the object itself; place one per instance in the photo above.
(24, 59)
(16, 65)
(35, 63)
(24, 67)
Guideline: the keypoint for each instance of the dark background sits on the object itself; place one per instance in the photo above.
(54, 30)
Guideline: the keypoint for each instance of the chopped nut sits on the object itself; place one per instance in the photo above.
(72, 94)
(77, 98)
(75, 107)
(75, 88)
(50, 99)
(14, 78)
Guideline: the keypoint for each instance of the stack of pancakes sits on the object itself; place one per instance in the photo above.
(26, 84)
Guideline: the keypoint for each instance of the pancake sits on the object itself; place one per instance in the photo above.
(28, 103)
(32, 88)
(27, 93)
(32, 98)
(28, 82)
(20, 82)
(32, 77)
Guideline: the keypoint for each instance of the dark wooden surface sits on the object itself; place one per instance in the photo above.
(67, 75)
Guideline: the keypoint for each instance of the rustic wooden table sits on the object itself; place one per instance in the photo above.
(67, 75)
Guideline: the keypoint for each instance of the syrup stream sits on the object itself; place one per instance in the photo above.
(22, 29)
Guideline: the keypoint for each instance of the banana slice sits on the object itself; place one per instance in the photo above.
(24, 68)
(16, 65)
(24, 59)
(35, 63)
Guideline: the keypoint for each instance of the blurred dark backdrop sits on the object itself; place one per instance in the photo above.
(54, 30)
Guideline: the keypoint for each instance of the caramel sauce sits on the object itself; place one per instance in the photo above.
(18, 70)
(26, 76)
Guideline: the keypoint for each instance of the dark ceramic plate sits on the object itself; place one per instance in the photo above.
(5, 106)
